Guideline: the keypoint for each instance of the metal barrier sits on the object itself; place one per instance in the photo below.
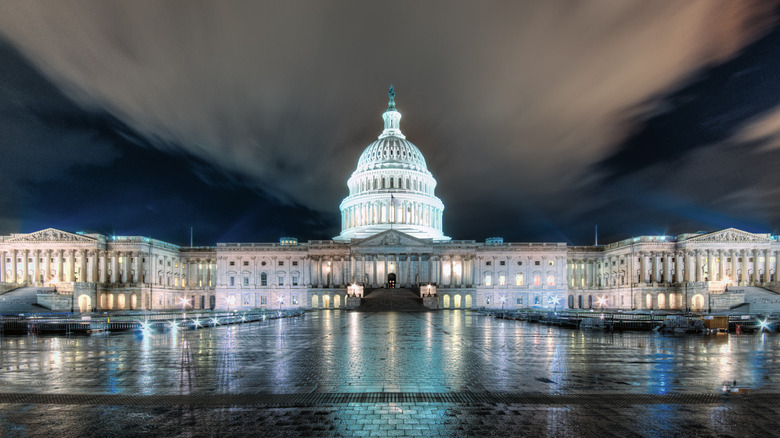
(69, 324)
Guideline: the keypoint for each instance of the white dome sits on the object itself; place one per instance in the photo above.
(391, 188)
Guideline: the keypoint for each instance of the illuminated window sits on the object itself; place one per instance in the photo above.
(487, 299)
(518, 279)
(550, 280)
(263, 279)
(246, 300)
(520, 301)
(263, 300)
(488, 280)
(551, 263)
(537, 280)
(295, 300)
(232, 281)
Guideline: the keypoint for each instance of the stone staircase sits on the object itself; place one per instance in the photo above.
(396, 300)
(22, 300)
(757, 300)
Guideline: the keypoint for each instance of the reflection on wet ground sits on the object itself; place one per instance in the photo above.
(334, 352)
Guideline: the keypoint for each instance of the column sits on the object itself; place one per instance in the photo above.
(642, 268)
(745, 277)
(47, 254)
(25, 267)
(710, 265)
(420, 268)
(678, 267)
(83, 266)
(442, 263)
(71, 265)
(721, 265)
(103, 260)
(137, 270)
(698, 263)
(777, 266)
(3, 267)
(375, 261)
(408, 269)
(767, 265)
(755, 265)
(114, 268)
(14, 275)
(734, 266)
(36, 253)
(60, 265)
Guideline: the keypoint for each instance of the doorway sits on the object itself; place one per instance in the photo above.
(391, 281)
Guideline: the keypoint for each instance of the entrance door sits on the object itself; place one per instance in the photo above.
(391, 281)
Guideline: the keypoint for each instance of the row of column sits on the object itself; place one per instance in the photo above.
(687, 266)
(397, 212)
(83, 265)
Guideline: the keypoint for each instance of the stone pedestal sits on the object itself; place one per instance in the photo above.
(353, 302)
(431, 302)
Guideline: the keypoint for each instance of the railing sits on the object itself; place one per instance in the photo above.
(68, 323)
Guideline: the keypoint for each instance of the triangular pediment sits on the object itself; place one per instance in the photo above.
(731, 235)
(51, 235)
(391, 238)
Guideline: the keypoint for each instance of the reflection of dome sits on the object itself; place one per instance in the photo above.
(391, 188)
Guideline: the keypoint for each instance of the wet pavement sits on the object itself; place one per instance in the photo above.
(334, 373)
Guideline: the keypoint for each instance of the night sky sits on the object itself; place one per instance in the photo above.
(539, 120)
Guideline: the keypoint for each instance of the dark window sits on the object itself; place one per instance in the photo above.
(232, 263)
(537, 263)
(246, 263)
(295, 262)
(281, 263)
(488, 263)
(502, 263)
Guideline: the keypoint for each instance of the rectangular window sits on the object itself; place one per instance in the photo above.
(550, 280)
(537, 280)
(728, 259)
(246, 263)
(281, 281)
(246, 281)
(502, 263)
(281, 263)
(502, 280)
(488, 263)
(295, 280)
(519, 301)
(232, 281)
(537, 263)
(246, 300)
(295, 262)
(519, 280)
(487, 299)
(295, 300)
(488, 280)
(232, 263)
(750, 260)
(263, 300)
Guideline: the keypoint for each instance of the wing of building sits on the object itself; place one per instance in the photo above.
(391, 236)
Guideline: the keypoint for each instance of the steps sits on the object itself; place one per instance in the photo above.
(22, 300)
(396, 300)
(757, 299)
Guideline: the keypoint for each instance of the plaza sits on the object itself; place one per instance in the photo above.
(337, 373)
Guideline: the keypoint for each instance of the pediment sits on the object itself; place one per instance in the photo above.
(391, 238)
(51, 235)
(731, 235)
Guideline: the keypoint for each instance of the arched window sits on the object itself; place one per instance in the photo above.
(263, 279)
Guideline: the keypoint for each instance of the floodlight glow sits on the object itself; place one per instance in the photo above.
(197, 323)
(215, 321)
(763, 325)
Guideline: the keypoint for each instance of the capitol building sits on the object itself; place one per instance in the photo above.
(391, 237)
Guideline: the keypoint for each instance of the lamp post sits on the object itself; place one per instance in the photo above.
(602, 301)
(230, 301)
(281, 301)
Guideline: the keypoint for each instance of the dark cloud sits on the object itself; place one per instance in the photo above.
(523, 111)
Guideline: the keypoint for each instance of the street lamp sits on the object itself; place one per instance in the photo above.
(231, 301)
(281, 301)
(602, 301)
(554, 301)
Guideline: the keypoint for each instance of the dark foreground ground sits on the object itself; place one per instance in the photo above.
(333, 373)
